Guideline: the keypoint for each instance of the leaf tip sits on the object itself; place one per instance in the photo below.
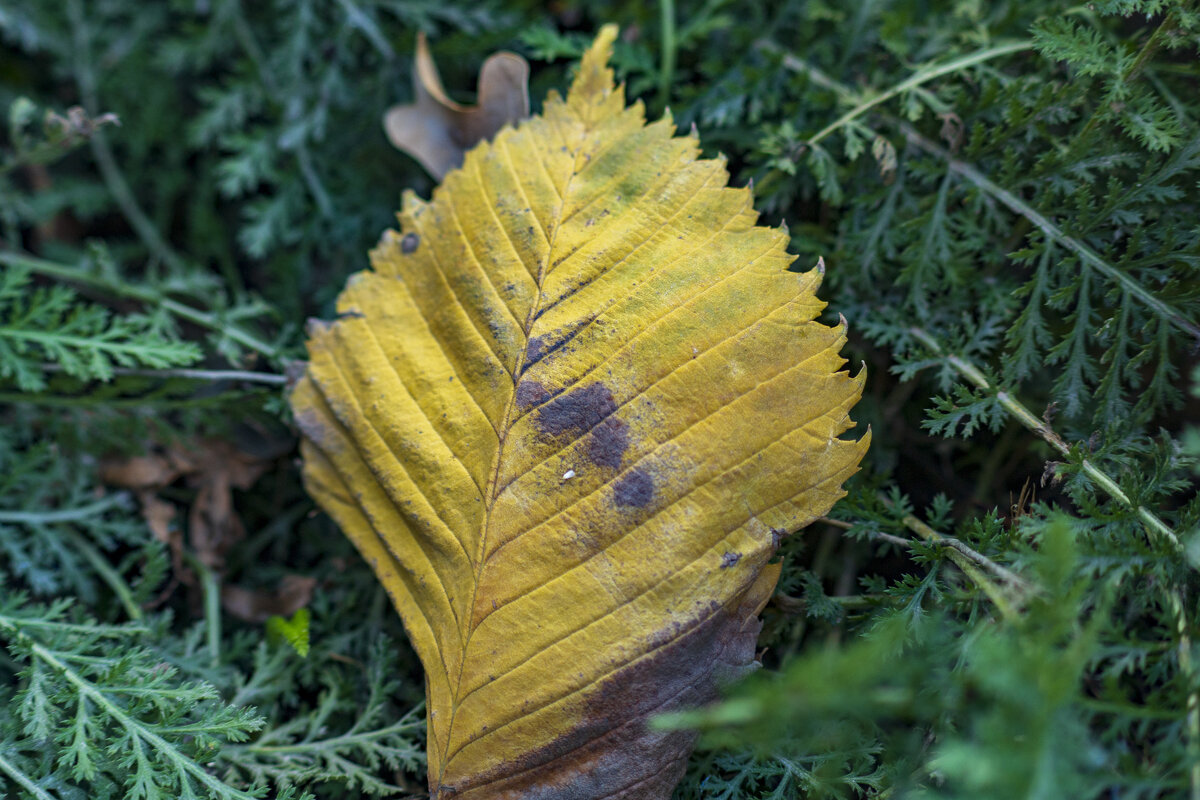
(594, 81)
(314, 327)
(410, 203)
(860, 383)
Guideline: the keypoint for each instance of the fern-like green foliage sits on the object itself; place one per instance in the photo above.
(103, 698)
(1005, 196)
(51, 325)
(294, 631)
(303, 750)
(903, 690)
(55, 530)
(117, 719)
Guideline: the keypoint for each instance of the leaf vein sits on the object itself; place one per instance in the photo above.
(381, 480)
(508, 162)
(487, 277)
(432, 425)
(437, 262)
(657, 447)
(646, 329)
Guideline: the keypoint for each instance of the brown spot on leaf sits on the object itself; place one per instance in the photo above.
(534, 350)
(294, 370)
(777, 535)
(579, 410)
(410, 243)
(541, 346)
(612, 753)
(610, 440)
(635, 489)
(529, 394)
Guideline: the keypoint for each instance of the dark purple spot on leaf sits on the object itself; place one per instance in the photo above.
(729, 559)
(579, 410)
(635, 489)
(534, 351)
(541, 346)
(610, 440)
(530, 394)
(410, 243)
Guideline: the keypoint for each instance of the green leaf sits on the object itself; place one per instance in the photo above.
(294, 631)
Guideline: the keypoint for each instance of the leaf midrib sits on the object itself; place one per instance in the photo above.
(506, 425)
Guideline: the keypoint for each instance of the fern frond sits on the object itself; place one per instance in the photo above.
(40, 325)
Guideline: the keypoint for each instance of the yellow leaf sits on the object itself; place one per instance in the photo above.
(566, 419)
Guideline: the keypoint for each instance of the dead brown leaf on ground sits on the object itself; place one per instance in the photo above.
(257, 605)
(214, 469)
(437, 131)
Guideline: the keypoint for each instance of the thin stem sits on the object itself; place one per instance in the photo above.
(1086, 254)
(106, 572)
(192, 374)
(1008, 199)
(797, 605)
(114, 180)
(967, 565)
(211, 589)
(923, 75)
(928, 533)
(1130, 709)
(141, 294)
(212, 614)
(23, 780)
(899, 541)
(68, 627)
(65, 515)
(1026, 417)
(334, 742)
(88, 401)
(666, 72)
(52, 337)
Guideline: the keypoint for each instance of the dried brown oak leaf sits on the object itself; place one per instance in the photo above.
(566, 419)
(436, 131)
(214, 468)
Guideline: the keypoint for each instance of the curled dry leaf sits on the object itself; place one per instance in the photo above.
(436, 131)
(258, 605)
(214, 468)
(585, 297)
